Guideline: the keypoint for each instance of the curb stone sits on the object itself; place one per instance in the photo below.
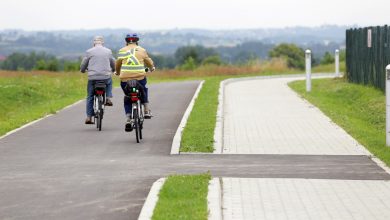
(151, 200)
(214, 199)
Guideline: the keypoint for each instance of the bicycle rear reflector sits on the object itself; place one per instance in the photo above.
(99, 92)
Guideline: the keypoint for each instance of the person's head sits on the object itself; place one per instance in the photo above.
(98, 40)
(131, 39)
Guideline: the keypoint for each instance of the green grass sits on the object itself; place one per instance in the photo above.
(27, 97)
(198, 134)
(328, 68)
(360, 110)
(183, 197)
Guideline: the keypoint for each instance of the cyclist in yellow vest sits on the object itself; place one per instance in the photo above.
(131, 63)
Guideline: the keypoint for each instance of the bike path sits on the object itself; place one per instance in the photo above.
(60, 168)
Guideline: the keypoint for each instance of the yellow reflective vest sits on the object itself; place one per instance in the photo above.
(131, 62)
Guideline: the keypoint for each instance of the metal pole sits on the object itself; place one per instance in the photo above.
(308, 70)
(337, 62)
(388, 105)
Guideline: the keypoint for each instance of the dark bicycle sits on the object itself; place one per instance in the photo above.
(98, 103)
(135, 93)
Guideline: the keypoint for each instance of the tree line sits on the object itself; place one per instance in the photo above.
(185, 58)
(38, 61)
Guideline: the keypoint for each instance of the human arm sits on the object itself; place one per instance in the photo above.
(84, 64)
(112, 64)
(118, 66)
(149, 62)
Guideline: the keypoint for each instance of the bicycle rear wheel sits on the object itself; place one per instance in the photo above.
(136, 124)
(99, 120)
(100, 113)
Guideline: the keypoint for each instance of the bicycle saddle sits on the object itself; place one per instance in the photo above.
(100, 85)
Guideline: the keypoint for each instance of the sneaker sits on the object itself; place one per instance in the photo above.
(129, 125)
(148, 114)
(108, 102)
(88, 121)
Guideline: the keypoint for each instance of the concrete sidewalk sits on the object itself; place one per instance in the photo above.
(266, 117)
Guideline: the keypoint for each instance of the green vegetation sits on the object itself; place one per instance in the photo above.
(198, 134)
(360, 110)
(189, 64)
(198, 53)
(29, 96)
(294, 55)
(212, 60)
(327, 59)
(328, 68)
(38, 61)
(183, 197)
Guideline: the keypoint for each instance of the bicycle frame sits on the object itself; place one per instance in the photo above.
(137, 115)
(139, 107)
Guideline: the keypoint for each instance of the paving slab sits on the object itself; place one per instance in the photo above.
(264, 116)
(305, 199)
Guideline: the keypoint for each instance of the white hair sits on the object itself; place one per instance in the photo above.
(98, 40)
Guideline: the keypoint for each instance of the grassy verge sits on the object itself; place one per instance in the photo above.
(29, 96)
(198, 135)
(328, 68)
(183, 197)
(360, 110)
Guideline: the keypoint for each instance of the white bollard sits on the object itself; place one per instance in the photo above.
(308, 70)
(337, 62)
(388, 105)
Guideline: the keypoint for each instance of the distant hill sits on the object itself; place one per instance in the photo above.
(72, 44)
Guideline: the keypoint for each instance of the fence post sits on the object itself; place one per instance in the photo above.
(388, 105)
(308, 70)
(337, 62)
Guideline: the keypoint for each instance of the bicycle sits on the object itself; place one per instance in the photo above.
(137, 115)
(98, 103)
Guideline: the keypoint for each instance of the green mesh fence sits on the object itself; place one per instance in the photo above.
(367, 55)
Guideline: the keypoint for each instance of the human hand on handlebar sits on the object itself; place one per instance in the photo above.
(147, 69)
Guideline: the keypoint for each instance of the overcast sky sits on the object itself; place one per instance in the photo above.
(209, 14)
